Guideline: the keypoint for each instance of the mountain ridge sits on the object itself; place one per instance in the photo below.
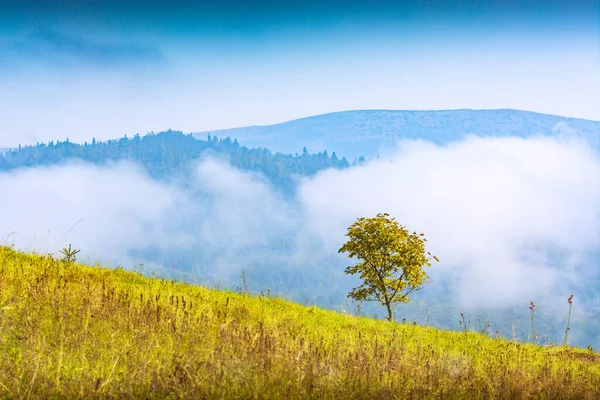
(353, 133)
(400, 110)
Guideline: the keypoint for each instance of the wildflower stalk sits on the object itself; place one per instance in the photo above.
(569, 319)
(532, 308)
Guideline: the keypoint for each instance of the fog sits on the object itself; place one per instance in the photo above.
(510, 219)
(509, 216)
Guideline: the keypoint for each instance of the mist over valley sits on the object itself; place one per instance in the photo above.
(512, 215)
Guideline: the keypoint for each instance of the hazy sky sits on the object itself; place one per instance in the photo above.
(85, 68)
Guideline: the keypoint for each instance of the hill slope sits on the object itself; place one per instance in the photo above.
(364, 132)
(74, 331)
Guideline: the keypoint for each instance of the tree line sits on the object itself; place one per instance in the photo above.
(167, 155)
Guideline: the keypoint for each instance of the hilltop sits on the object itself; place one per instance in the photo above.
(75, 331)
(168, 156)
(365, 132)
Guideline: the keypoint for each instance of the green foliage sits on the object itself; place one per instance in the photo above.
(89, 332)
(391, 260)
(69, 254)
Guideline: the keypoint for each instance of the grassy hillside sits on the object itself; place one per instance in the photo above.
(365, 132)
(73, 331)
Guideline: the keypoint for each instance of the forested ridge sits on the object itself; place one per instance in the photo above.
(167, 155)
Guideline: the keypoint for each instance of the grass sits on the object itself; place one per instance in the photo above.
(74, 331)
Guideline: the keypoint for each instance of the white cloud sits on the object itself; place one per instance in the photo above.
(105, 210)
(511, 219)
(495, 210)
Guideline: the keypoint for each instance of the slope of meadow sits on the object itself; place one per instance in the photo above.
(74, 331)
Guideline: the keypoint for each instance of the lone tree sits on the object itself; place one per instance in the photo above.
(391, 260)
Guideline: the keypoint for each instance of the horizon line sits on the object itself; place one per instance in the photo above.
(388, 110)
(4, 149)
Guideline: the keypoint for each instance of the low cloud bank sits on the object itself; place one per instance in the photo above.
(511, 219)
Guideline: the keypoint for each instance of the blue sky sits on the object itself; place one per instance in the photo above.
(83, 69)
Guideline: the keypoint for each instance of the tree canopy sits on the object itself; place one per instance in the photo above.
(391, 260)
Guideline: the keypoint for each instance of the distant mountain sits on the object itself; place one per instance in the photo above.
(356, 133)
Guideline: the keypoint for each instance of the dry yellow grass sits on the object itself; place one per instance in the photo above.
(73, 331)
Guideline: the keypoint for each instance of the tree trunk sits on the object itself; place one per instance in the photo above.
(390, 311)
